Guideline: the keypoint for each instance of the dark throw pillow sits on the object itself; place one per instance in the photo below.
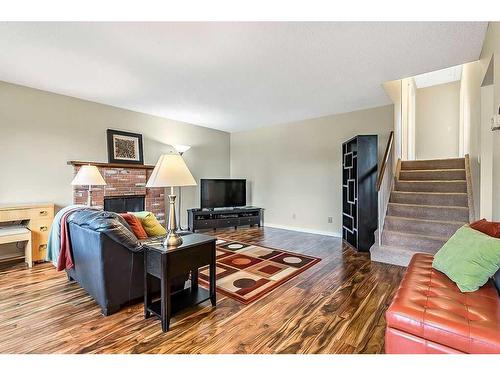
(490, 228)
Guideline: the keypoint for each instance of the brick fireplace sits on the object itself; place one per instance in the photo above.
(127, 180)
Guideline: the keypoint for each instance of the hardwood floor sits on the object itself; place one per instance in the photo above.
(337, 306)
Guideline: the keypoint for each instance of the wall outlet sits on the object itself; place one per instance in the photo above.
(330, 219)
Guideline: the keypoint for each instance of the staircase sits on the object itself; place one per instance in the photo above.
(428, 203)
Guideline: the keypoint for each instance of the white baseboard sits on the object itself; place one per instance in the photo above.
(305, 230)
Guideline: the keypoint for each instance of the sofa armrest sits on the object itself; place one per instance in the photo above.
(112, 274)
(88, 268)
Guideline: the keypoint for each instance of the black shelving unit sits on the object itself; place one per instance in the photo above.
(359, 194)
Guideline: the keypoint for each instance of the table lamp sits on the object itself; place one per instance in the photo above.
(181, 149)
(88, 175)
(171, 171)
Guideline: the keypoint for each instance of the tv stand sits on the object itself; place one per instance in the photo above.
(223, 218)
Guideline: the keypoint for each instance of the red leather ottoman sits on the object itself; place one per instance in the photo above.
(429, 314)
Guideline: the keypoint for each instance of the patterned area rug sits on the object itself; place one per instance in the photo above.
(248, 272)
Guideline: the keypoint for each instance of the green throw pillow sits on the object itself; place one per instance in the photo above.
(152, 227)
(469, 258)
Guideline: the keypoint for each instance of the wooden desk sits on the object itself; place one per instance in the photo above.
(38, 218)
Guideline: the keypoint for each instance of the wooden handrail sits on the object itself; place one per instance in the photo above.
(385, 159)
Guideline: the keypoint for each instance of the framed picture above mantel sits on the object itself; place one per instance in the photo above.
(124, 147)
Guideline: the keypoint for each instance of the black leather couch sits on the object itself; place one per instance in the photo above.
(112, 274)
(108, 259)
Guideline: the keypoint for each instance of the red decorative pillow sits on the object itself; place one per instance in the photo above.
(491, 228)
(136, 226)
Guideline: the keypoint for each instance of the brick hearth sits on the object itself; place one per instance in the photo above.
(123, 181)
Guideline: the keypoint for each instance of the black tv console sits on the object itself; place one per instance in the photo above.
(223, 218)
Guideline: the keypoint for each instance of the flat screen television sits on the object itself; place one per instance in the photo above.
(216, 193)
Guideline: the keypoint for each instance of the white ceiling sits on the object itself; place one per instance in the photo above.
(231, 76)
(439, 77)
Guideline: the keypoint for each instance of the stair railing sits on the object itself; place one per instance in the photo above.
(470, 200)
(385, 181)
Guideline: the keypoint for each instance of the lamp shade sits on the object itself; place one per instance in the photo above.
(88, 175)
(181, 148)
(171, 170)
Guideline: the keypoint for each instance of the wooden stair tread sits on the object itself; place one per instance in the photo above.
(432, 181)
(423, 236)
(431, 160)
(434, 170)
(427, 192)
(427, 220)
(424, 205)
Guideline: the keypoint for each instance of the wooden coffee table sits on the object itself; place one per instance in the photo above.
(197, 250)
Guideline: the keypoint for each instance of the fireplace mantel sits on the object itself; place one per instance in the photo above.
(122, 180)
(77, 163)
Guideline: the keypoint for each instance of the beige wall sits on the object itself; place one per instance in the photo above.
(405, 127)
(486, 156)
(470, 124)
(294, 170)
(491, 50)
(394, 91)
(41, 131)
(491, 47)
(412, 117)
(437, 121)
(408, 118)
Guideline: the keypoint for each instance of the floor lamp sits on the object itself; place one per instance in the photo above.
(171, 171)
(181, 149)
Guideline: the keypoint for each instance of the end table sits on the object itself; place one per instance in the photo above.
(167, 263)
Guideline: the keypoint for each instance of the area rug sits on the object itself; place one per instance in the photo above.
(247, 272)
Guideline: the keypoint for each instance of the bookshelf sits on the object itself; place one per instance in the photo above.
(359, 195)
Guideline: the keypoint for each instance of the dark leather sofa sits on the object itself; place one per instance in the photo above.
(111, 273)
(108, 260)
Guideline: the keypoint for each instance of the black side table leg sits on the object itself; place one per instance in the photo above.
(213, 296)
(169, 304)
(165, 306)
(147, 292)
(165, 298)
(194, 280)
